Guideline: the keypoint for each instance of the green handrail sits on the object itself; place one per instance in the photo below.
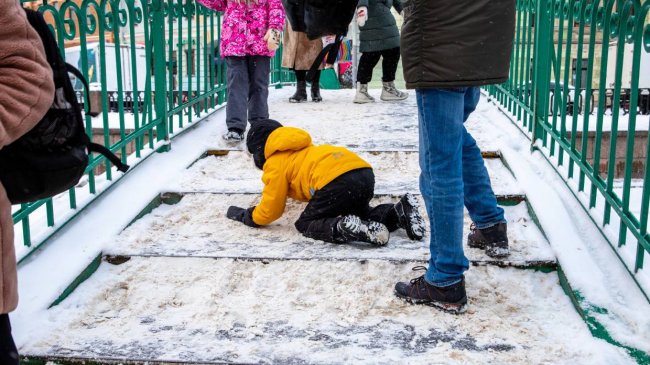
(554, 98)
(160, 56)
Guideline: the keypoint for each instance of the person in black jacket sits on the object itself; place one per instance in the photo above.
(449, 49)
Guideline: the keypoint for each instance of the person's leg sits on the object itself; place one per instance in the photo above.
(301, 87)
(237, 93)
(367, 63)
(480, 200)
(389, 68)
(8, 351)
(315, 88)
(334, 212)
(441, 126)
(259, 68)
(389, 64)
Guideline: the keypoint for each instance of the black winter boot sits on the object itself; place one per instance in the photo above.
(493, 239)
(301, 93)
(452, 299)
(352, 228)
(409, 217)
(315, 92)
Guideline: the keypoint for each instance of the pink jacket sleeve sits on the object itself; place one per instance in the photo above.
(276, 15)
(218, 5)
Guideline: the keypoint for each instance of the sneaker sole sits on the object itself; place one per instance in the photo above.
(363, 102)
(393, 99)
(414, 217)
(297, 101)
(451, 308)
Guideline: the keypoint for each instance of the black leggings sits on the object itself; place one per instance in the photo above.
(369, 60)
(8, 351)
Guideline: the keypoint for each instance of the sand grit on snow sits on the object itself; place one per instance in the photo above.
(314, 312)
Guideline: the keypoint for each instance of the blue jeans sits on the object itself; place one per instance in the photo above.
(453, 174)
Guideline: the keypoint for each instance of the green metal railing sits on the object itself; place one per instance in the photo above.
(157, 70)
(571, 61)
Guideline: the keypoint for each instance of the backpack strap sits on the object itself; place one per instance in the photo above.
(98, 148)
(73, 70)
(331, 51)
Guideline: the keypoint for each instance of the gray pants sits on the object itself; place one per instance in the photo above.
(248, 90)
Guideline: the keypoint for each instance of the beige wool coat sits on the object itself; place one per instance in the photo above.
(26, 93)
(298, 52)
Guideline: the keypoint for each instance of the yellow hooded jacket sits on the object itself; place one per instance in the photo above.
(297, 169)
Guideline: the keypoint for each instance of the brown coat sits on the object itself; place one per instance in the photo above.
(298, 52)
(26, 93)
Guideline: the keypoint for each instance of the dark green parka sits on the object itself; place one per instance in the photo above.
(456, 43)
(380, 31)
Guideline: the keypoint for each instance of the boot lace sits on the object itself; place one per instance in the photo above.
(419, 279)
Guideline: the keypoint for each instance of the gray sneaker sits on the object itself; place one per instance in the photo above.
(362, 96)
(390, 93)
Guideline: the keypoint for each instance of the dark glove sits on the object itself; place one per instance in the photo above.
(242, 215)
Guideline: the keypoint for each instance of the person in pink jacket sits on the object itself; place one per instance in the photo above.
(250, 35)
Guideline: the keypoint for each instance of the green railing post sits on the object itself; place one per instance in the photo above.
(160, 73)
(542, 67)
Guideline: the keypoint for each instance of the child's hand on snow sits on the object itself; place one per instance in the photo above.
(242, 215)
(272, 39)
(362, 15)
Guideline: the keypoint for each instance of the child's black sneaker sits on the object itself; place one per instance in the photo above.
(409, 217)
(234, 135)
(352, 228)
(493, 239)
(451, 299)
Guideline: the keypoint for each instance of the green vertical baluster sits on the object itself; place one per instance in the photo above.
(581, 7)
(49, 208)
(606, 15)
(592, 11)
(160, 96)
(542, 67)
(133, 19)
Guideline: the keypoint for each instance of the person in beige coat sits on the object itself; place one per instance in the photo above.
(298, 54)
(26, 93)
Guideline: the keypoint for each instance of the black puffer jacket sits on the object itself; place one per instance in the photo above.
(455, 43)
(319, 18)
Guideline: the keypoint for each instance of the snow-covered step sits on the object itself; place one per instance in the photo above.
(197, 226)
(312, 312)
(395, 173)
(376, 126)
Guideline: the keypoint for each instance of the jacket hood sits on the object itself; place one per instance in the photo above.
(286, 139)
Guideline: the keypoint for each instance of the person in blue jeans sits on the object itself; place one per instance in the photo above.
(446, 62)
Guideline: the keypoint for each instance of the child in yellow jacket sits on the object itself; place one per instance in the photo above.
(336, 182)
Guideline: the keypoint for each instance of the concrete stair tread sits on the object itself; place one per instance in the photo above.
(395, 173)
(191, 309)
(197, 226)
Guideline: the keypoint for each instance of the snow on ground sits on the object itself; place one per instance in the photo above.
(590, 264)
(379, 126)
(314, 312)
(197, 226)
(395, 173)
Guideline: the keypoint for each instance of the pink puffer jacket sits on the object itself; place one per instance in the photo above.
(245, 23)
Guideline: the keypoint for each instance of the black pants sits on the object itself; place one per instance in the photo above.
(8, 351)
(301, 75)
(349, 193)
(369, 60)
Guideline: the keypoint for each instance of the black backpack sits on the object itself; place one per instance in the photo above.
(52, 156)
